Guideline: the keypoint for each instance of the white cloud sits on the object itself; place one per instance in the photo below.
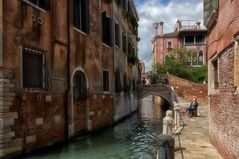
(154, 11)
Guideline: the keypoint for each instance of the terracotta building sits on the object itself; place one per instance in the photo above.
(57, 70)
(221, 19)
(187, 33)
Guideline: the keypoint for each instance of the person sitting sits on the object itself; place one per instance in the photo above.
(192, 107)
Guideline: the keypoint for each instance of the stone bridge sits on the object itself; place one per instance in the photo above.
(164, 91)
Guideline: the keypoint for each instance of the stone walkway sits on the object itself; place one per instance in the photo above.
(195, 138)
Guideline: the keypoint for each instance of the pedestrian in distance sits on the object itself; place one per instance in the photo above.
(192, 107)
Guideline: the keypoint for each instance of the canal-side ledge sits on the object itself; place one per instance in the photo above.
(195, 136)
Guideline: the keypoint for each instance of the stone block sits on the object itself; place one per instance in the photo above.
(4, 81)
(7, 94)
(92, 113)
(57, 118)
(3, 103)
(48, 98)
(31, 139)
(7, 135)
(39, 121)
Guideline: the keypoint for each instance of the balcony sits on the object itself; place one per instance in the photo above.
(210, 12)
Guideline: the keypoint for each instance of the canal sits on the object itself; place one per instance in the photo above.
(133, 138)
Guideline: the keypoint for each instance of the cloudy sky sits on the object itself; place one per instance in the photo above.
(167, 11)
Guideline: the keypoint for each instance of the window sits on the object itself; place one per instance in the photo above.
(129, 48)
(106, 29)
(124, 39)
(44, 4)
(215, 73)
(34, 72)
(236, 63)
(80, 86)
(200, 40)
(106, 80)
(117, 35)
(200, 58)
(188, 40)
(169, 45)
(81, 15)
(124, 4)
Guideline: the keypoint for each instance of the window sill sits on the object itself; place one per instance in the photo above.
(79, 31)
(34, 6)
(106, 45)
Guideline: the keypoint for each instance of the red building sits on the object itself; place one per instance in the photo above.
(222, 20)
(187, 33)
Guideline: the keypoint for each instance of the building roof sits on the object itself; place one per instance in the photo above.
(169, 35)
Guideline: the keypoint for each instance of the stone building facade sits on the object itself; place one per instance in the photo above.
(57, 70)
(221, 19)
(187, 33)
(126, 67)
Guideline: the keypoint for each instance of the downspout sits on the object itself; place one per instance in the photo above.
(68, 72)
(113, 56)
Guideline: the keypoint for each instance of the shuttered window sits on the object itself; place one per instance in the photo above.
(81, 15)
(80, 86)
(34, 71)
(117, 34)
(106, 29)
(106, 80)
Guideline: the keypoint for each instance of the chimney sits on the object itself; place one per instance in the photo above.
(161, 28)
(178, 25)
(198, 25)
(155, 27)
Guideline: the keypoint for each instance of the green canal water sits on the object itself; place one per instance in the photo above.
(133, 138)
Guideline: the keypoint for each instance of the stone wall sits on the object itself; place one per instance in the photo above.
(224, 110)
(188, 89)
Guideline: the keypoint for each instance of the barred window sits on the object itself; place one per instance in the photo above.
(81, 15)
(44, 4)
(34, 71)
(80, 86)
(106, 81)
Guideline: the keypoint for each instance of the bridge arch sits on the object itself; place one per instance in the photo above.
(163, 91)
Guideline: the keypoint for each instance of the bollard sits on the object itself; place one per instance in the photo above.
(168, 123)
(166, 147)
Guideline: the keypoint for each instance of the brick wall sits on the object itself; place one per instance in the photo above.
(188, 89)
(224, 110)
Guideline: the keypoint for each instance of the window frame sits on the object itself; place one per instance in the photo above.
(108, 35)
(106, 91)
(83, 16)
(211, 78)
(45, 86)
(171, 45)
(37, 6)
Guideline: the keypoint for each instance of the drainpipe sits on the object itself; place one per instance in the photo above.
(113, 56)
(68, 72)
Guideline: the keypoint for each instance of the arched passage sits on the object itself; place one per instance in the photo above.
(79, 103)
(164, 91)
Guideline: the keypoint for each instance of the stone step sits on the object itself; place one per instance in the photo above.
(7, 135)
(7, 140)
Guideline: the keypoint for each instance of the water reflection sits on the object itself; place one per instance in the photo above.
(134, 138)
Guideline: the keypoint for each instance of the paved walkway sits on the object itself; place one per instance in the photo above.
(194, 138)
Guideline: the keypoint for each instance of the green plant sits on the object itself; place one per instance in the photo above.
(133, 59)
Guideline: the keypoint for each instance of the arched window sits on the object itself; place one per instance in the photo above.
(200, 57)
(79, 86)
(169, 46)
